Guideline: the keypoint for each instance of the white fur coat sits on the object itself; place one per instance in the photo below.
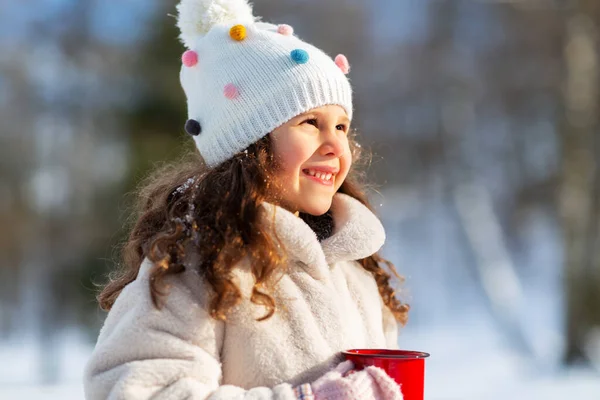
(326, 303)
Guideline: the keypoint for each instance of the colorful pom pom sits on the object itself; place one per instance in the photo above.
(195, 18)
(189, 58)
(238, 32)
(342, 62)
(193, 127)
(231, 91)
(285, 30)
(299, 56)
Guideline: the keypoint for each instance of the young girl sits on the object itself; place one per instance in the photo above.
(252, 265)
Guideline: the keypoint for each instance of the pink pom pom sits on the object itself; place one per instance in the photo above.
(231, 91)
(189, 58)
(285, 30)
(342, 62)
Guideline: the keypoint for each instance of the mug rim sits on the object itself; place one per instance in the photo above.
(386, 353)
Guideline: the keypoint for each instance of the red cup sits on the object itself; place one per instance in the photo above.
(407, 368)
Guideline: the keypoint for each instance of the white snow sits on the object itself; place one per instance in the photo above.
(468, 362)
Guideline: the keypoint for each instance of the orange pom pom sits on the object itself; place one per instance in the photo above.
(238, 32)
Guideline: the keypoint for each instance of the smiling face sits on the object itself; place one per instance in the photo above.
(313, 158)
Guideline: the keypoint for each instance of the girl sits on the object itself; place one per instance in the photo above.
(252, 265)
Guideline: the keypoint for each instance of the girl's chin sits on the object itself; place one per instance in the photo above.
(316, 208)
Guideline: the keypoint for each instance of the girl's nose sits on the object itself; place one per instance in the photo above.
(333, 142)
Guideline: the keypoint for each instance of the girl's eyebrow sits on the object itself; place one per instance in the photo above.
(312, 115)
(318, 114)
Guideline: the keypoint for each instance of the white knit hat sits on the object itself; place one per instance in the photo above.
(243, 78)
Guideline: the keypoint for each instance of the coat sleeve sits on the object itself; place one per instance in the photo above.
(390, 327)
(173, 353)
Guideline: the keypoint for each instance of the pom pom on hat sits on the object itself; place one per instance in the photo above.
(299, 56)
(189, 58)
(193, 127)
(231, 91)
(238, 32)
(196, 17)
(285, 30)
(342, 62)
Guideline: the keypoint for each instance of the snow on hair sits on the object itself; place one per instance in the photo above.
(196, 17)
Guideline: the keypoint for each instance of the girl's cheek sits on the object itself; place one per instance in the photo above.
(347, 158)
(346, 165)
(286, 155)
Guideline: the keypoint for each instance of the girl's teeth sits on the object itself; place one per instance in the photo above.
(321, 175)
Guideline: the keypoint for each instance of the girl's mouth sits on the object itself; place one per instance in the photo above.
(323, 178)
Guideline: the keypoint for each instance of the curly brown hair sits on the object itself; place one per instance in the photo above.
(185, 210)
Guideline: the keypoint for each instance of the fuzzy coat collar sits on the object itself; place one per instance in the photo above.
(357, 233)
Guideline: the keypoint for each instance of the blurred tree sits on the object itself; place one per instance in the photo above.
(58, 141)
(580, 186)
(151, 125)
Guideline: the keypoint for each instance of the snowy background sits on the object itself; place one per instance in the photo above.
(483, 117)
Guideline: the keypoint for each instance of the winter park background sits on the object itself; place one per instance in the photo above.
(484, 120)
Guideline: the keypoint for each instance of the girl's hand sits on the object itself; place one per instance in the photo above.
(344, 382)
(352, 371)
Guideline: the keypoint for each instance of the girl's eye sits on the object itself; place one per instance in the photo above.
(314, 122)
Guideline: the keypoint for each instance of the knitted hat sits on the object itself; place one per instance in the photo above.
(243, 78)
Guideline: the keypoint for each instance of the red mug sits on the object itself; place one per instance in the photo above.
(407, 368)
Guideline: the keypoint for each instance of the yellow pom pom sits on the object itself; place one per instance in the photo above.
(238, 32)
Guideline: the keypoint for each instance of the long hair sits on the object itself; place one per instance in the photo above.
(185, 211)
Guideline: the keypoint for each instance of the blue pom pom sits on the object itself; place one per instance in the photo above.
(299, 56)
